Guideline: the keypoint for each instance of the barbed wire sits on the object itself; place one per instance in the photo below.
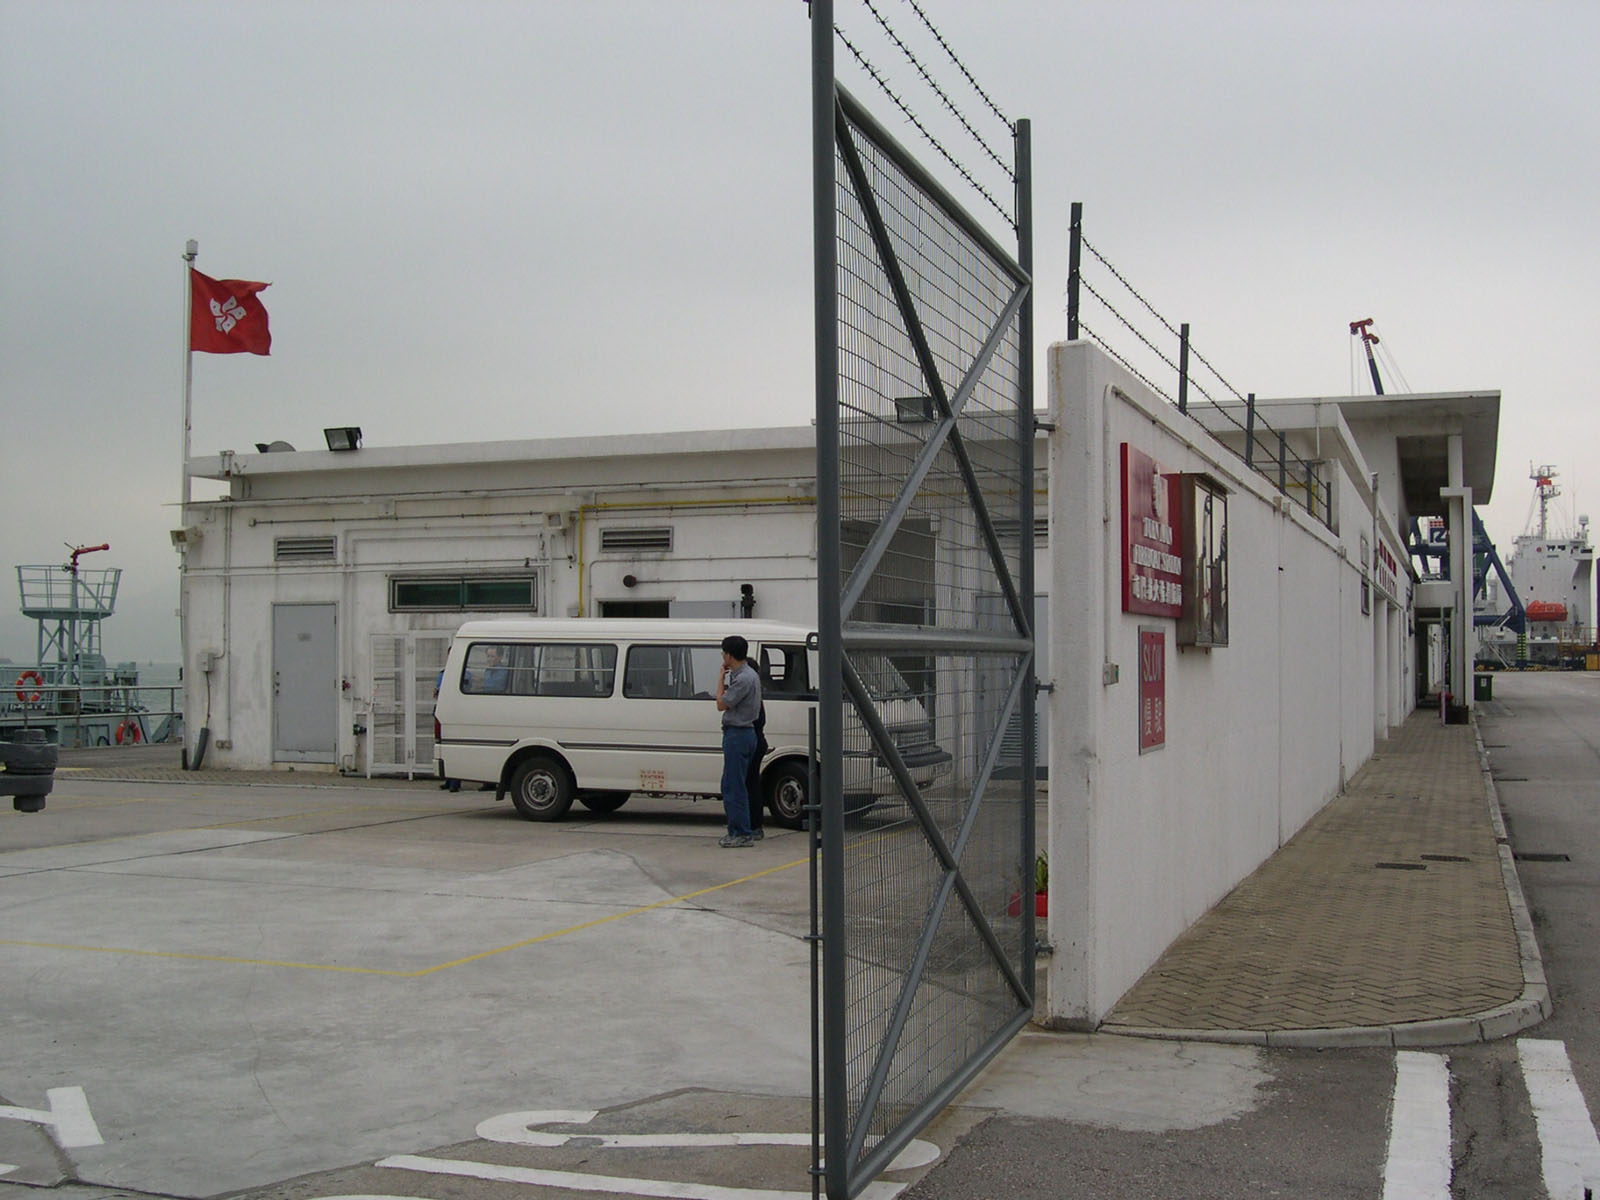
(943, 45)
(1266, 446)
(1111, 350)
(1118, 276)
(1129, 325)
(883, 85)
(1137, 295)
(949, 104)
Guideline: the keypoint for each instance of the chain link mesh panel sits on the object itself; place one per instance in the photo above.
(933, 878)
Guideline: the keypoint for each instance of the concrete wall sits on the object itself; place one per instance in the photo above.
(1259, 733)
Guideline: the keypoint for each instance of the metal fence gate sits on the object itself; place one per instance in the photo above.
(925, 488)
(399, 722)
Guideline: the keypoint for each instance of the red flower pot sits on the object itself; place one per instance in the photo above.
(1041, 904)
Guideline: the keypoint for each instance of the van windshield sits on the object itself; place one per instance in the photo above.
(883, 679)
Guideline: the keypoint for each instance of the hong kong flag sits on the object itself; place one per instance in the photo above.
(226, 316)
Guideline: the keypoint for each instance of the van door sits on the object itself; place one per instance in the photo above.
(669, 717)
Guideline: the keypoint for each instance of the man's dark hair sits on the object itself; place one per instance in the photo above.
(735, 645)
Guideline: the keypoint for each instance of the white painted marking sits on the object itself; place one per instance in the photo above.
(67, 1118)
(512, 1129)
(1418, 1166)
(1566, 1132)
(577, 1181)
(7, 1168)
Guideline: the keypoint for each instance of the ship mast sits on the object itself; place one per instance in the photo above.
(1544, 478)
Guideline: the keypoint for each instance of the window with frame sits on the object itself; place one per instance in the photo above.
(1204, 621)
(669, 672)
(785, 673)
(565, 669)
(517, 592)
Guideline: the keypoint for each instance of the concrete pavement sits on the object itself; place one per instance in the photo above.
(1393, 919)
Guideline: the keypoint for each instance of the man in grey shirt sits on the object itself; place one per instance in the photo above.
(739, 702)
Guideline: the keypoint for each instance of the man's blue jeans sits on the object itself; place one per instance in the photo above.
(738, 747)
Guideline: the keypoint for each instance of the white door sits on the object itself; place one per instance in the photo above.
(305, 683)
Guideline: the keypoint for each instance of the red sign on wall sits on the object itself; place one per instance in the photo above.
(1152, 689)
(1152, 544)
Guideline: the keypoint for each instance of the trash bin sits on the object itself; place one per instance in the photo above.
(1483, 687)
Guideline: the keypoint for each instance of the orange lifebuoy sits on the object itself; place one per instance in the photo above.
(38, 682)
(130, 730)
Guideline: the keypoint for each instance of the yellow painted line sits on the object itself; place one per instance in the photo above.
(330, 812)
(145, 833)
(632, 912)
(444, 966)
(216, 958)
(56, 804)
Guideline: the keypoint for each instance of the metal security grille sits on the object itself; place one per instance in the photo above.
(926, 779)
(405, 667)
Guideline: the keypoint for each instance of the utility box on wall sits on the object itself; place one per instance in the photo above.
(1204, 509)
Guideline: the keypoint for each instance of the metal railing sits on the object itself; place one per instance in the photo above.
(100, 714)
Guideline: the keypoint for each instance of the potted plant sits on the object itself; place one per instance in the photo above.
(1041, 890)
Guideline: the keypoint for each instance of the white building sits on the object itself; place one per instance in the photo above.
(320, 592)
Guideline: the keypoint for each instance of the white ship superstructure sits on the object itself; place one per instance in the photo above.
(1552, 572)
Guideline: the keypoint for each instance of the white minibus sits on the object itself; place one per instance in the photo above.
(599, 709)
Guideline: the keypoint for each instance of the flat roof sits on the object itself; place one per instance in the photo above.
(612, 445)
(1421, 424)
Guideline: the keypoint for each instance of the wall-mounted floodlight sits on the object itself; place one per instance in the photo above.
(344, 437)
(911, 410)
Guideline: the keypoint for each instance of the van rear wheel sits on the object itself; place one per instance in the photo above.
(541, 789)
(788, 787)
(603, 802)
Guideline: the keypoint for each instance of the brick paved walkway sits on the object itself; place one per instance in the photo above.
(1390, 908)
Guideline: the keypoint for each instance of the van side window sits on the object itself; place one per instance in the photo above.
(672, 672)
(488, 668)
(531, 669)
(785, 673)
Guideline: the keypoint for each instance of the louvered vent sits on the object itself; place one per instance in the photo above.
(304, 549)
(635, 540)
(1011, 530)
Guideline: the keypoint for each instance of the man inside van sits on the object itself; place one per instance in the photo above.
(495, 676)
(739, 702)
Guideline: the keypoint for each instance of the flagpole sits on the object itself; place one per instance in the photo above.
(189, 255)
(191, 250)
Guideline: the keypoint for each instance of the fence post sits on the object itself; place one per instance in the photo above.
(1183, 367)
(1249, 430)
(1074, 262)
(1311, 489)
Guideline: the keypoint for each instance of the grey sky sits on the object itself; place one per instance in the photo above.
(486, 220)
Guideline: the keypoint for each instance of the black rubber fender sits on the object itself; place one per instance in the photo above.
(29, 755)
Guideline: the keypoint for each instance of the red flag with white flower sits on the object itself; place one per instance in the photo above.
(226, 316)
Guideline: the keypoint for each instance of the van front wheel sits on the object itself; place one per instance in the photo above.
(788, 785)
(541, 789)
